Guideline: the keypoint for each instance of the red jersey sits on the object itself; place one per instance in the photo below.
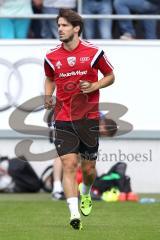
(67, 69)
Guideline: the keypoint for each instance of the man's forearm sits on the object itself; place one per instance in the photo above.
(106, 81)
(49, 89)
(87, 87)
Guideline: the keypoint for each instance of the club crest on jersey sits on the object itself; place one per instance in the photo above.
(58, 64)
(71, 61)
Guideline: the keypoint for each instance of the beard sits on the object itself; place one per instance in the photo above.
(69, 39)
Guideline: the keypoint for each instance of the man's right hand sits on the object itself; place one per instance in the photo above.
(49, 104)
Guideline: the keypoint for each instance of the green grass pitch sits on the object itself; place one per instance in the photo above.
(37, 217)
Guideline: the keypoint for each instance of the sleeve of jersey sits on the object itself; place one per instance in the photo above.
(102, 63)
(48, 69)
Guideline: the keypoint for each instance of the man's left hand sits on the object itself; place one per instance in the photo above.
(88, 87)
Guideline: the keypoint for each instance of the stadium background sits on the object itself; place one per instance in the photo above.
(136, 87)
(36, 216)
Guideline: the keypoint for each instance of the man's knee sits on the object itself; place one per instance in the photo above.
(69, 164)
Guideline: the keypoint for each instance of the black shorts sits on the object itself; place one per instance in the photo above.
(80, 136)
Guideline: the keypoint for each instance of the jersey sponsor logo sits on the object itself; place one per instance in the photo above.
(84, 59)
(73, 73)
(58, 64)
(71, 61)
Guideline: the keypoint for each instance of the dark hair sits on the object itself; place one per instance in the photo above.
(72, 17)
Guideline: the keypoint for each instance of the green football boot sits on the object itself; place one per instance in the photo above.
(85, 202)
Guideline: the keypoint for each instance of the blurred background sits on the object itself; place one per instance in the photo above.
(129, 32)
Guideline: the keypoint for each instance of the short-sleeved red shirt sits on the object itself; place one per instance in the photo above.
(67, 68)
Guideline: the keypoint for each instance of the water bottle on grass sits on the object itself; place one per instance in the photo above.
(148, 200)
